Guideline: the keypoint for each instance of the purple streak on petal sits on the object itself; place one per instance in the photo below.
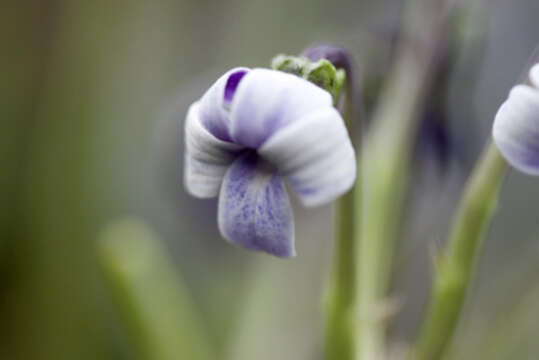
(214, 113)
(254, 208)
(232, 84)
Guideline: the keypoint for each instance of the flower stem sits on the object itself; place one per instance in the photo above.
(340, 298)
(385, 168)
(386, 161)
(457, 263)
(340, 311)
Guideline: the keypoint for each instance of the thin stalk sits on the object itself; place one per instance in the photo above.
(340, 311)
(457, 263)
(340, 299)
(386, 160)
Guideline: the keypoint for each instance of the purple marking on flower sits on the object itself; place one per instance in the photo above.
(213, 108)
(268, 100)
(252, 131)
(254, 209)
(232, 84)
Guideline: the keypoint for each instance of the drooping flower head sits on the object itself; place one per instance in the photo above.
(516, 125)
(253, 131)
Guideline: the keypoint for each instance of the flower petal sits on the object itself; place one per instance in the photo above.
(315, 156)
(516, 129)
(206, 157)
(534, 75)
(254, 208)
(215, 103)
(267, 100)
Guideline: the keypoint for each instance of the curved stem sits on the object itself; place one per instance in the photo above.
(457, 264)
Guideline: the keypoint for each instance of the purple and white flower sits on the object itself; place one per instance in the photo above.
(252, 132)
(516, 126)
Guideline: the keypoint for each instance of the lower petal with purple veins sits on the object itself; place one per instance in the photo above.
(254, 207)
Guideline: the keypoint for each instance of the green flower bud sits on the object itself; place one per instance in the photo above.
(321, 73)
(289, 64)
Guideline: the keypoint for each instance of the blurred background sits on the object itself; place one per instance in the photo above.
(92, 100)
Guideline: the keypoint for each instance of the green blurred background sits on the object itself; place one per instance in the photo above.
(92, 100)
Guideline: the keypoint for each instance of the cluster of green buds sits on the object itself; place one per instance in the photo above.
(321, 72)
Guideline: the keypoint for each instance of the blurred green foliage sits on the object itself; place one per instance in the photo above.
(154, 303)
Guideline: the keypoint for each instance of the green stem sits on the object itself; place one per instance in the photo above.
(340, 301)
(385, 172)
(340, 311)
(386, 160)
(457, 263)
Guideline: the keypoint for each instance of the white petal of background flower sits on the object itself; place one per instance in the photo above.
(534, 76)
(516, 128)
(206, 157)
(315, 156)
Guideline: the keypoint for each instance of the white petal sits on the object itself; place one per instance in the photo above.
(534, 75)
(315, 155)
(215, 103)
(206, 157)
(516, 129)
(267, 100)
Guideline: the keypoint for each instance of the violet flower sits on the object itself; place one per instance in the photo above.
(516, 126)
(251, 132)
